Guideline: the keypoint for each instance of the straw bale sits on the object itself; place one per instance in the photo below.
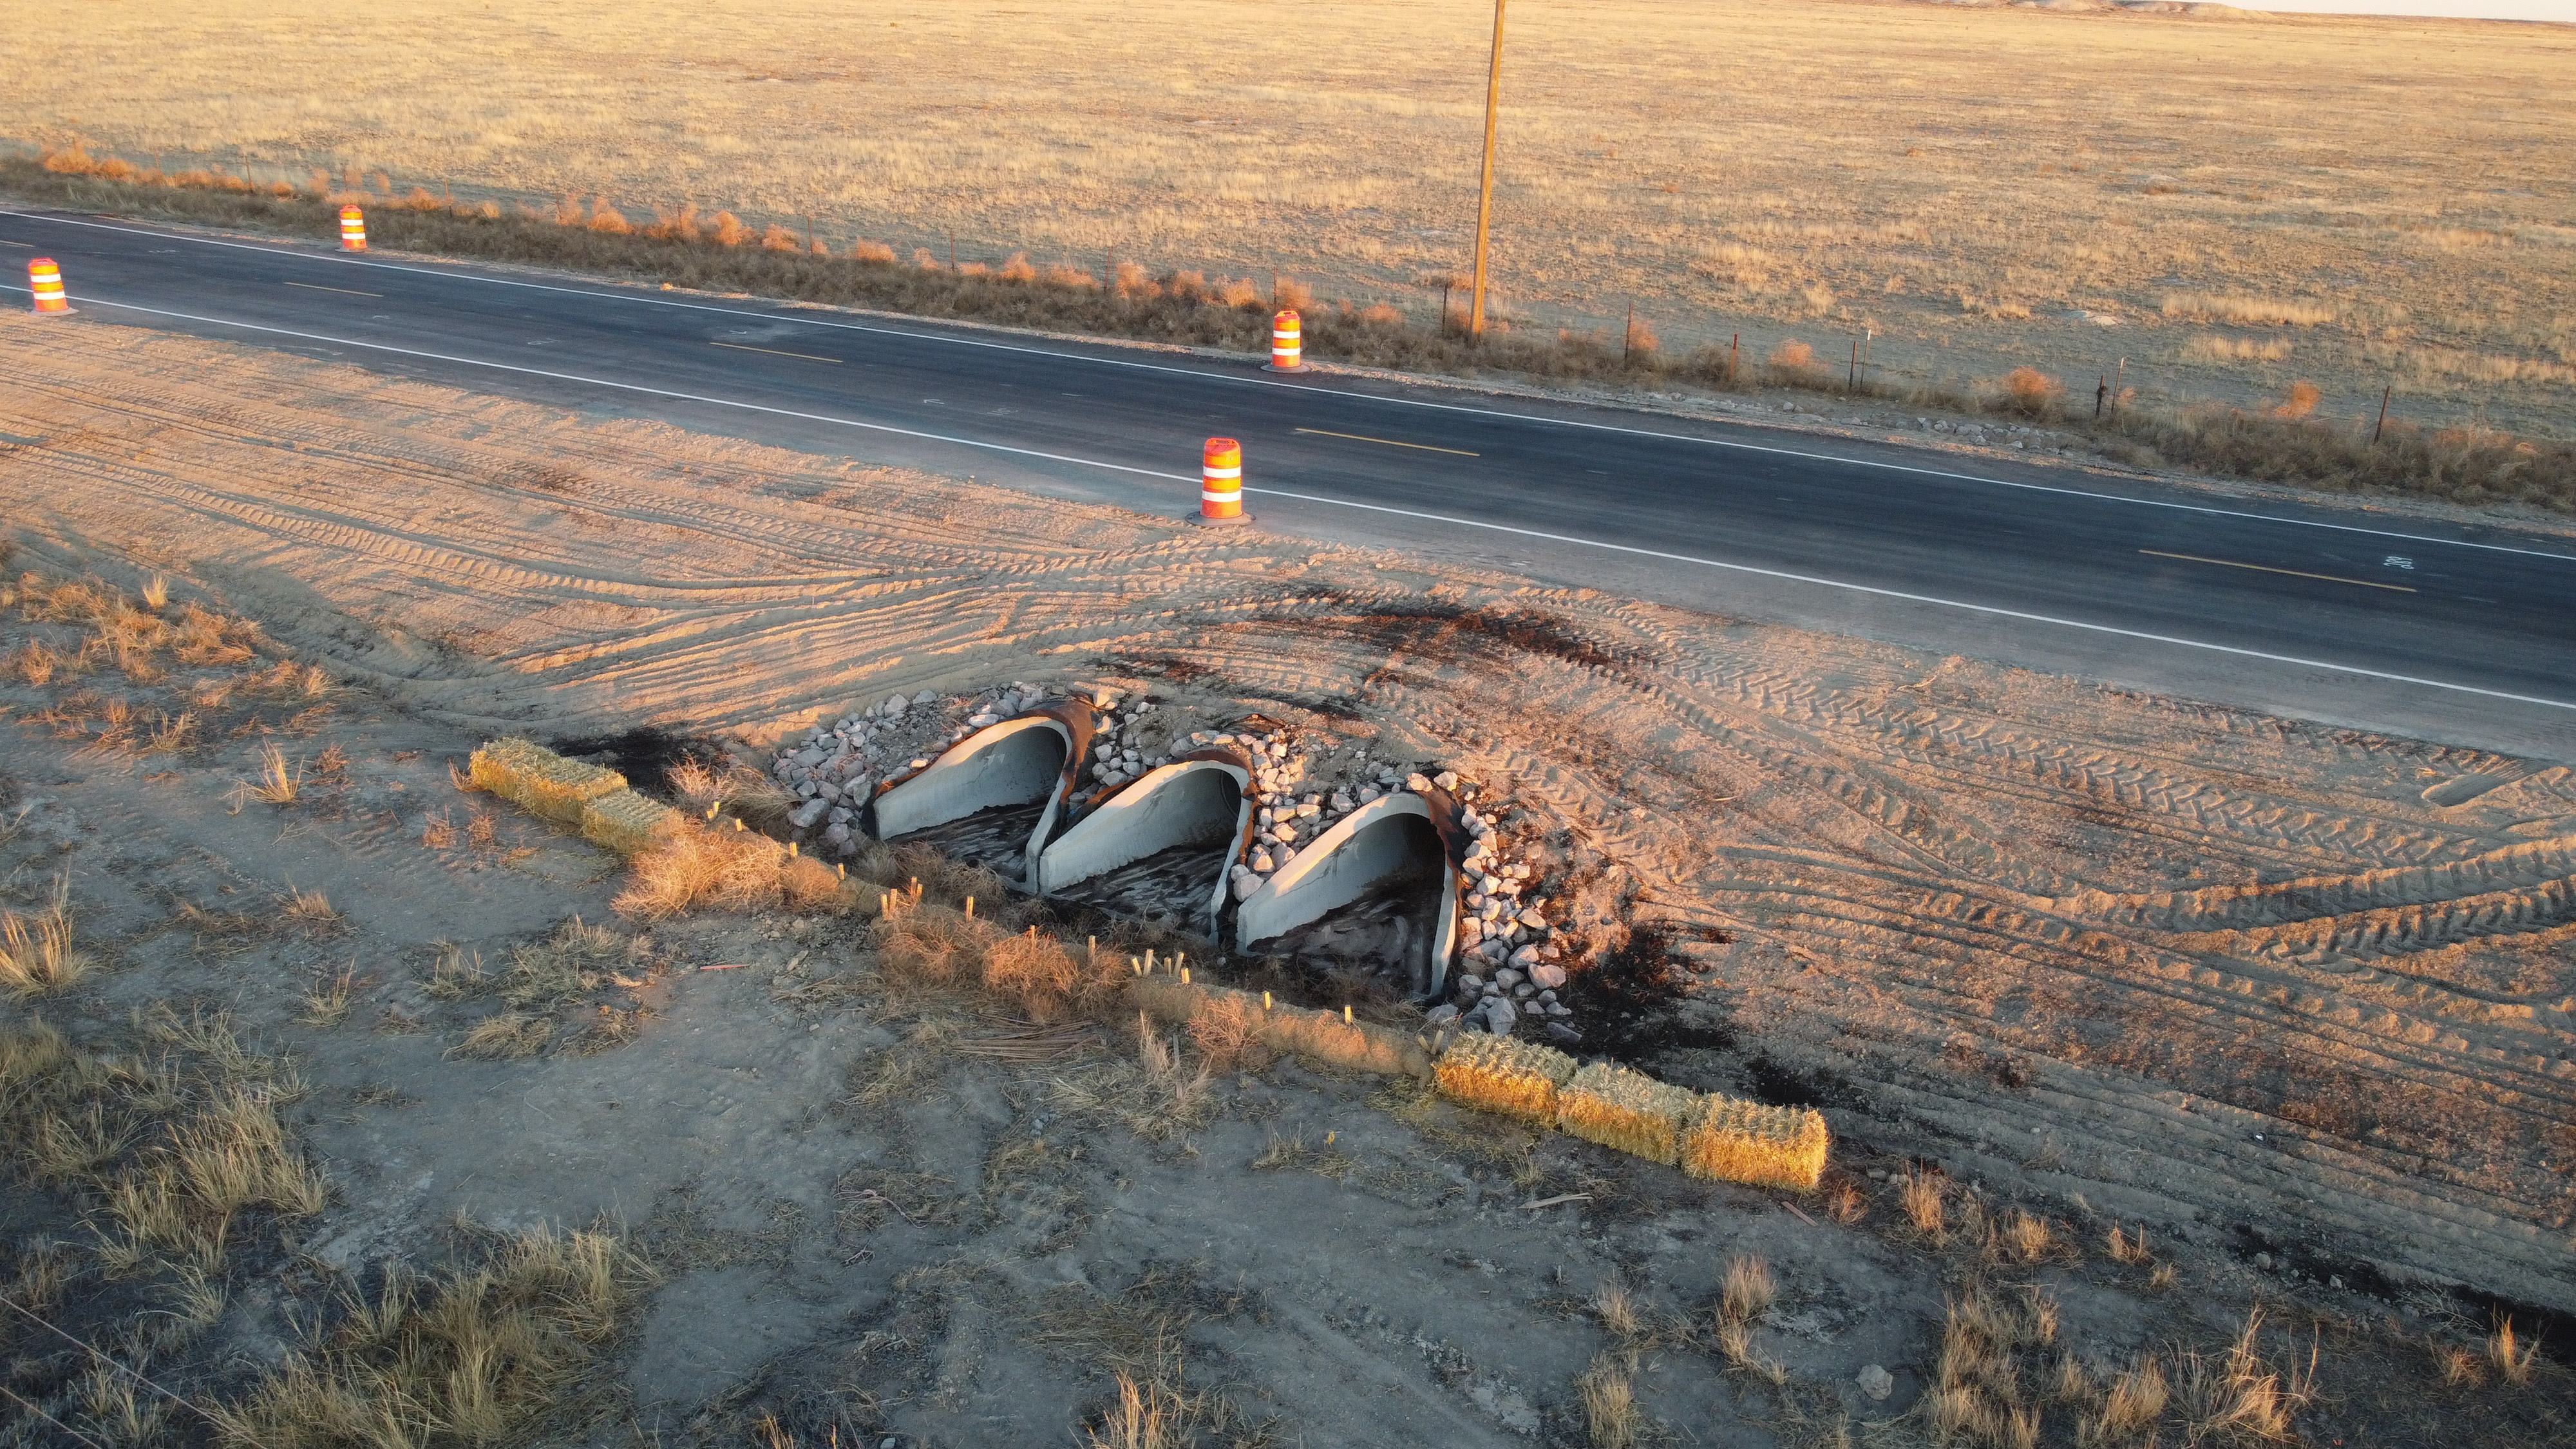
(540, 781)
(1737, 1141)
(1500, 1074)
(629, 823)
(1619, 1107)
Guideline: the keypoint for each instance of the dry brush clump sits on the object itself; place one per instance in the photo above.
(166, 1149)
(495, 1352)
(36, 951)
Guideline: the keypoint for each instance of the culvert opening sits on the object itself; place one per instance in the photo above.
(985, 800)
(1157, 850)
(1371, 906)
(1386, 935)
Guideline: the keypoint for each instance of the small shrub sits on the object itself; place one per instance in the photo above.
(2031, 392)
(2301, 401)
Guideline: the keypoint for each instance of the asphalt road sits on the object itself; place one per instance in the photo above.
(2458, 633)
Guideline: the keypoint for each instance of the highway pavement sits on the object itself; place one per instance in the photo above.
(2455, 632)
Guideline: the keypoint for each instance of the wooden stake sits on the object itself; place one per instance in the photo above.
(1731, 348)
(952, 249)
(2119, 386)
(1852, 383)
(2384, 396)
(1629, 337)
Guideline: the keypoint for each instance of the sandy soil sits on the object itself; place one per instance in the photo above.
(2297, 999)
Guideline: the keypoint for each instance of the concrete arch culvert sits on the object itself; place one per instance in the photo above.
(1380, 886)
(993, 797)
(1160, 845)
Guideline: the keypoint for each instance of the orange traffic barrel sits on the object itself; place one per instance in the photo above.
(45, 282)
(1221, 482)
(353, 229)
(1287, 342)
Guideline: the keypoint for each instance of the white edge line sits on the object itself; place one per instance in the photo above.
(458, 274)
(1869, 589)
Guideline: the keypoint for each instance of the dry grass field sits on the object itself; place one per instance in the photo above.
(2231, 205)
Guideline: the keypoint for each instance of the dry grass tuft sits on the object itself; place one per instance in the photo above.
(36, 951)
(2131, 1407)
(327, 1004)
(1923, 1195)
(1617, 1310)
(310, 908)
(724, 870)
(1610, 1415)
(506, 1036)
(2508, 1356)
(2239, 1395)
(278, 783)
(489, 1354)
(1749, 1290)
(1154, 1414)
(1158, 1094)
(2029, 1239)
(1226, 1032)
(456, 974)
(732, 789)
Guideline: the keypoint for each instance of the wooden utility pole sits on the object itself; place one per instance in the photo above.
(1485, 194)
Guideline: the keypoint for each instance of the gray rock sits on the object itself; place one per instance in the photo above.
(1548, 976)
(1441, 1015)
(810, 756)
(809, 812)
(1563, 1035)
(893, 706)
(1500, 1015)
(925, 697)
(1446, 779)
(1525, 956)
(1417, 782)
(1532, 920)
(1471, 982)
(1876, 1382)
(1558, 1008)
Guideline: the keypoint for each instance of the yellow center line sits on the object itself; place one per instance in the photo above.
(1390, 442)
(2261, 569)
(343, 291)
(774, 352)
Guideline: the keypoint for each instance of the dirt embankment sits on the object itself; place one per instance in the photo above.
(2283, 989)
